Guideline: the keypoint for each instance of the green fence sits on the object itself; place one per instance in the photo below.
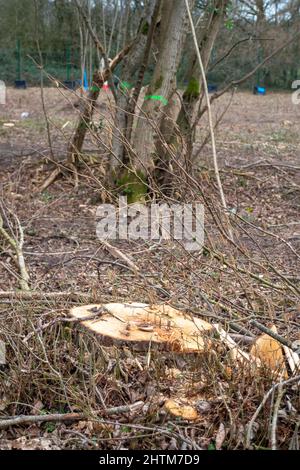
(19, 64)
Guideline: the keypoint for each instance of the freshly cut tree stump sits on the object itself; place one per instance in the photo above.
(269, 352)
(141, 324)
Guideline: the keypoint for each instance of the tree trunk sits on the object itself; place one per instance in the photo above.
(130, 65)
(127, 181)
(182, 137)
(87, 106)
(173, 28)
(191, 94)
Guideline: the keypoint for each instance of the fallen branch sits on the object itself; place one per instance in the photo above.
(241, 329)
(118, 254)
(242, 338)
(35, 295)
(93, 316)
(51, 178)
(30, 419)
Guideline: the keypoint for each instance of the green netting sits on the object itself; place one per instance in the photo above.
(61, 65)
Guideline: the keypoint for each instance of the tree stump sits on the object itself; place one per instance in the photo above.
(140, 325)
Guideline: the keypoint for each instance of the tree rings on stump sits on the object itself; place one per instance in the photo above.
(141, 324)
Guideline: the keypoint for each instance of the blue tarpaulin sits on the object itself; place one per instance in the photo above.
(85, 81)
(259, 90)
(212, 88)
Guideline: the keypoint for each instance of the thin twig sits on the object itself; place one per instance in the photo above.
(23, 419)
(17, 246)
(35, 295)
(210, 120)
(271, 333)
(235, 83)
(116, 253)
(262, 404)
(275, 416)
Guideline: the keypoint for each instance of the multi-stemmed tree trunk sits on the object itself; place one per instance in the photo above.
(158, 98)
(173, 29)
(162, 137)
(87, 106)
(130, 65)
(165, 125)
(130, 87)
(145, 150)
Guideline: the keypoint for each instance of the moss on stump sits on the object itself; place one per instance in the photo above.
(133, 184)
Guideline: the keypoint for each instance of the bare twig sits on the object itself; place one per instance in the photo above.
(227, 53)
(17, 246)
(23, 419)
(271, 333)
(98, 44)
(246, 77)
(35, 295)
(275, 416)
(210, 120)
(116, 253)
(262, 404)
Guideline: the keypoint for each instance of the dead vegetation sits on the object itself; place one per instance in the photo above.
(63, 386)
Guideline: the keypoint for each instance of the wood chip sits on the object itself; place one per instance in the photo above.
(180, 410)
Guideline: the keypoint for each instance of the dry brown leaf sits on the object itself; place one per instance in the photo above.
(24, 443)
(176, 408)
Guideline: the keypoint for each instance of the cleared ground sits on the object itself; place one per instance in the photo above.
(259, 155)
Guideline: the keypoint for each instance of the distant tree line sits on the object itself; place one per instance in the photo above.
(246, 36)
